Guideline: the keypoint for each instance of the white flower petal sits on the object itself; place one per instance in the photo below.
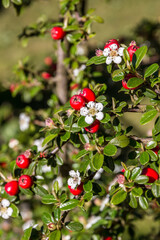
(99, 116)
(78, 173)
(9, 211)
(91, 104)
(117, 59)
(5, 215)
(99, 106)
(120, 51)
(89, 119)
(114, 46)
(83, 111)
(106, 52)
(5, 203)
(72, 173)
(109, 60)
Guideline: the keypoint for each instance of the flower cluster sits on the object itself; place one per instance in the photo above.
(5, 209)
(91, 111)
(113, 54)
(75, 179)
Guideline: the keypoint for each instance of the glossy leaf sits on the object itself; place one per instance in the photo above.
(27, 234)
(56, 235)
(110, 150)
(68, 205)
(133, 201)
(119, 197)
(96, 60)
(87, 186)
(144, 158)
(148, 116)
(136, 172)
(6, 3)
(151, 69)
(120, 141)
(143, 203)
(138, 56)
(156, 190)
(48, 199)
(97, 161)
(134, 82)
(74, 226)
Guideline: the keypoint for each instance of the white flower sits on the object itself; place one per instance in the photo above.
(38, 143)
(98, 174)
(113, 54)
(76, 71)
(104, 202)
(75, 179)
(24, 121)
(46, 168)
(91, 111)
(92, 220)
(5, 210)
(59, 179)
(13, 143)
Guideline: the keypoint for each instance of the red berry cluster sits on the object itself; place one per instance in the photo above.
(25, 181)
(79, 101)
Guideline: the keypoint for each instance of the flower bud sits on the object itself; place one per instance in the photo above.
(99, 52)
(52, 226)
(121, 179)
(49, 122)
(89, 147)
(28, 153)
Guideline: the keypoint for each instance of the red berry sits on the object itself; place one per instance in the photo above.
(156, 149)
(48, 61)
(25, 181)
(93, 127)
(125, 80)
(132, 49)
(46, 75)
(74, 86)
(108, 238)
(76, 191)
(22, 161)
(57, 33)
(110, 42)
(123, 170)
(77, 102)
(12, 188)
(88, 94)
(151, 173)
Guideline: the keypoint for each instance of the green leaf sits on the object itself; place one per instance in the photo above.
(87, 186)
(137, 191)
(81, 154)
(68, 205)
(66, 136)
(133, 201)
(97, 161)
(59, 160)
(153, 155)
(144, 158)
(106, 118)
(134, 82)
(126, 55)
(141, 179)
(149, 93)
(56, 235)
(120, 141)
(151, 69)
(156, 190)
(98, 19)
(148, 116)
(136, 172)
(119, 197)
(27, 234)
(84, 138)
(96, 60)
(151, 144)
(17, 2)
(88, 196)
(81, 122)
(143, 203)
(47, 218)
(49, 138)
(74, 226)
(138, 56)
(48, 199)
(118, 75)
(15, 210)
(57, 214)
(40, 191)
(110, 150)
(6, 3)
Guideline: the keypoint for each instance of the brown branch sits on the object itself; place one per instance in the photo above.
(139, 108)
(143, 140)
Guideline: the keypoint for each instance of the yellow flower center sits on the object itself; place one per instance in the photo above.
(92, 111)
(113, 53)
